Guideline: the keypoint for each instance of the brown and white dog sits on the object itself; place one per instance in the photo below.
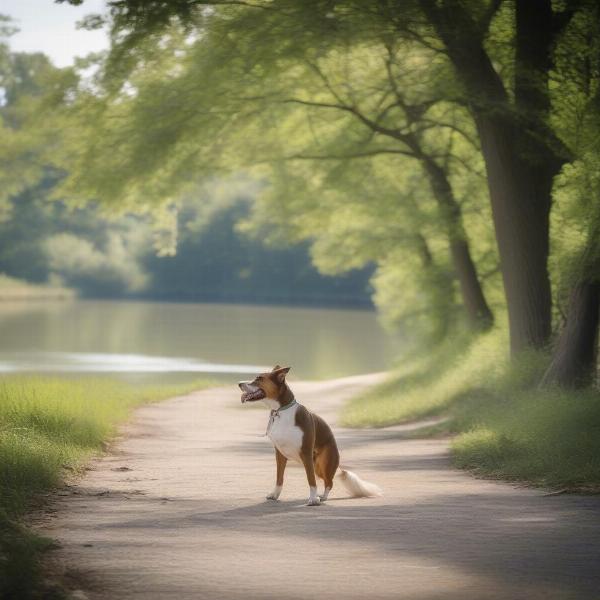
(300, 436)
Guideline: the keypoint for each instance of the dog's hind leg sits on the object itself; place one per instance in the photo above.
(326, 465)
(281, 461)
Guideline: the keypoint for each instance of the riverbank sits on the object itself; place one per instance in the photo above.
(49, 429)
(503, 425)
(12, 289)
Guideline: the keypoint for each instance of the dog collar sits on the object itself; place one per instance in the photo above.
(285, 407)
(275, 413)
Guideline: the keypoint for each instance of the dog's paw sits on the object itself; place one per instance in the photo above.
(313, 501)
(322, 497)
(274, 495)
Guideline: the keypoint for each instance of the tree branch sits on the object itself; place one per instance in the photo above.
(456, 129)
(413, 112)
(325, 80)
(459, 33)
(393, 133)
(352, 155)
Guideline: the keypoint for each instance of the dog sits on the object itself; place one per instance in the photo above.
(301, 436)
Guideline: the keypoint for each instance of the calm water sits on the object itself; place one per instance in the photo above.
(181, 341)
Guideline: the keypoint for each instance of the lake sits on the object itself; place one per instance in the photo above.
(170, 341)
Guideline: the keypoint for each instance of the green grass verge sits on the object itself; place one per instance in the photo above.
(546, 437)
(505, 427)
(49, 427)
(428, 384)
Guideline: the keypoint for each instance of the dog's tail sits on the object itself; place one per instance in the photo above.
(357, 487)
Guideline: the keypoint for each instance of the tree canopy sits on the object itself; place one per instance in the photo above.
(386, 132)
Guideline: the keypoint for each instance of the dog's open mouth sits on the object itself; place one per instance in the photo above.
(253, 395)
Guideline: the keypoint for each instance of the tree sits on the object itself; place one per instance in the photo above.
(22, 78)
(503, 55)
(409, 120)
(576, 235)
(577, 229)
(103, 254)
(522, 152)
(348, 101)
(352, 223)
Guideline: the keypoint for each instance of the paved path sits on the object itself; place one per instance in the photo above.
(178, 512)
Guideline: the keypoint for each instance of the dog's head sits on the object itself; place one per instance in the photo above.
(270, 385)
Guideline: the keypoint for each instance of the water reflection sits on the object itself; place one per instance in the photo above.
(143, 337)
(87, 362)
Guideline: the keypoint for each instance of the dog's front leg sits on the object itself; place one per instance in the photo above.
(309, 466)
(281, 462)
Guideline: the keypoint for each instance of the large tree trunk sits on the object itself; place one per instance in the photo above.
(522, 155)
(574, 361)
(476, 307)
(520, 194)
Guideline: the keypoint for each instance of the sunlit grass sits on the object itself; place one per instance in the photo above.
(505, 426)
(48, 427)
(549, 437)
(428, 384)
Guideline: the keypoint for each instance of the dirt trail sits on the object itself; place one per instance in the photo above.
(178, 512)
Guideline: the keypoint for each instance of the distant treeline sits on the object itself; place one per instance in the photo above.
(43, 241)
(221, 264)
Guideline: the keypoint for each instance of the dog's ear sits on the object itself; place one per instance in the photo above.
(280, 373)
(275, 368)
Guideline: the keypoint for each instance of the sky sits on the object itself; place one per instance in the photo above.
(50, 28)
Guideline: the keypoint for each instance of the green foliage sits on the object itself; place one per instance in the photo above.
(333, 111)
(337, 133)
(48, 426)
(101, 256)
(192, 88)
(576, 117)
(28, 85)
(505, 426)
(114, 270)
(167, 249)
(98, 256)
(214, 262)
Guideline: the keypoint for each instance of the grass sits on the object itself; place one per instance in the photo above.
(549, 438)
(50, 427)
(504, 426)
(427, 385)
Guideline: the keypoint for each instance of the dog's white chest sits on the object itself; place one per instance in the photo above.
(285, 434)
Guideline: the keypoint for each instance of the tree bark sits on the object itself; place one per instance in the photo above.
(477, 309)
(574, 361)
(521, 154)
(520, 195)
